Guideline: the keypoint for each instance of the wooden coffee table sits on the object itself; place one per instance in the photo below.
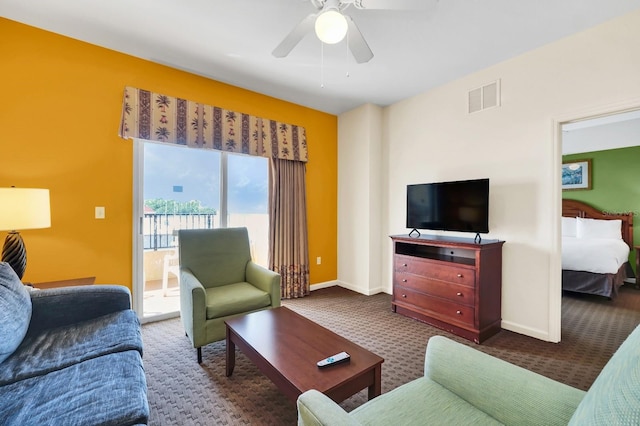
(285, 346)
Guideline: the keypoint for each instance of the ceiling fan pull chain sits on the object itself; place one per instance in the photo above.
(346, 56)
(321, 65)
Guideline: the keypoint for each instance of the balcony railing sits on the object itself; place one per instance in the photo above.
(161, 230)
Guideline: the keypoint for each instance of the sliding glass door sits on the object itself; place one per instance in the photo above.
(186, 188)
(248, 201)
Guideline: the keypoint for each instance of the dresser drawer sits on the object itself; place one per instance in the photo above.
(444, 309)
(436, 270)
(447, 290)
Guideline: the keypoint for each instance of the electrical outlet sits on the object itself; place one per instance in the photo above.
(318, 260)
(100, 213)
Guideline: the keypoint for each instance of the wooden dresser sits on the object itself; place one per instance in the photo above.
(451, 283)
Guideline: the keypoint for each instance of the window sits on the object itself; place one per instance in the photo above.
(185, 188)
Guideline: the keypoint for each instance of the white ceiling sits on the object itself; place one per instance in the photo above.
(613, 131)
(231, 41)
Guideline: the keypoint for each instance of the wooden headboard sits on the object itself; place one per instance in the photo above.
(573, 208)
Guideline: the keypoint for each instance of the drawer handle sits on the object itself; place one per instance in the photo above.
(404, 295)
(458, 312)
(459, 294)
(404, 280)
(404, 264)
(459, 275)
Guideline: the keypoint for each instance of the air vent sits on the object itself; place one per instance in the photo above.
(487, 96)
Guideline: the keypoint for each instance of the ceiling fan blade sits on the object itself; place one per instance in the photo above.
(357, 44)
(392, 4)
(293, 38)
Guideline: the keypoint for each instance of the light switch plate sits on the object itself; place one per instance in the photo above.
(100, 213)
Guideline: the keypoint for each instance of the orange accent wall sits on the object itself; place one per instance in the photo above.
(59, 121)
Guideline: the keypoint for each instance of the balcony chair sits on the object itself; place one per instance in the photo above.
(218, 280)
(170, 265)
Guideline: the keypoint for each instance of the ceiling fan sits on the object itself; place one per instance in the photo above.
(332, 25)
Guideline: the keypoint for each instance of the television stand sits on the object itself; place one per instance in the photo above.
(451, 283)
(416, 231)
(477, 239)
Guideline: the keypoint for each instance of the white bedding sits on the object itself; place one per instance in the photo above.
(598, 255)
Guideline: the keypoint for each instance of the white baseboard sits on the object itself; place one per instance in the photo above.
(355, 288)
(325, 284)
(348, 286)
(506, 325)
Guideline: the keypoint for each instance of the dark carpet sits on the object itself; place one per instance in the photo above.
(181, 392)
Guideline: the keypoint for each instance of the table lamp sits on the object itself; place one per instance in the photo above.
(21, 208)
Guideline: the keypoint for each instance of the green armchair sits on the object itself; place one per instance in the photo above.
(218, 281)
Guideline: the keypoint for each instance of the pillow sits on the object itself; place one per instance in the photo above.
(15, 311)
(595, 228)
(569, 226)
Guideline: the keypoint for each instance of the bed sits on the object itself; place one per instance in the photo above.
(595, 249)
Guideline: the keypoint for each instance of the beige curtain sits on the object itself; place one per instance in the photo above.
(288, 241)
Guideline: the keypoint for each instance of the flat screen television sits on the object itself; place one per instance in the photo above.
(449, 206)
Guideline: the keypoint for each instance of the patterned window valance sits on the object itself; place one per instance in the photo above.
(155, 117)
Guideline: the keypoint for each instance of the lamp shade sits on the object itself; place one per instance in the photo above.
(331, 26)
(24, 208)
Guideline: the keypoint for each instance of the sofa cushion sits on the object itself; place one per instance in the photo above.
(15, 311)
(614, 397)
(506, 392)
(57, 348)
(421, 401)
(108, 390)
(57, 307)
(234, 299)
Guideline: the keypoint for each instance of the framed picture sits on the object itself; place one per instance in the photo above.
(576, 175)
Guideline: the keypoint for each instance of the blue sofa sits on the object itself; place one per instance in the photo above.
(69, 356)
(462, 386)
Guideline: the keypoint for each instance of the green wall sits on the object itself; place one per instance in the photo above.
(615, 184)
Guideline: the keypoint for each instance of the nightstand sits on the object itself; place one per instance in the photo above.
(634, 281)
(65, 283)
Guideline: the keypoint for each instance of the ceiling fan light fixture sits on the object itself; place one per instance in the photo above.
(331, 26)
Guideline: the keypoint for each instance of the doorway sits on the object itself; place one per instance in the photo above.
(599, 136)
(177, 187)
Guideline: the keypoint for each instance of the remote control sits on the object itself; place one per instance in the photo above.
(334, 359)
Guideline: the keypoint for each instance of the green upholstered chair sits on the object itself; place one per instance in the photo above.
(218, 280)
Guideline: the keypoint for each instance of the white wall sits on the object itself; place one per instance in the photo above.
(360, 198)
(431, 137)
